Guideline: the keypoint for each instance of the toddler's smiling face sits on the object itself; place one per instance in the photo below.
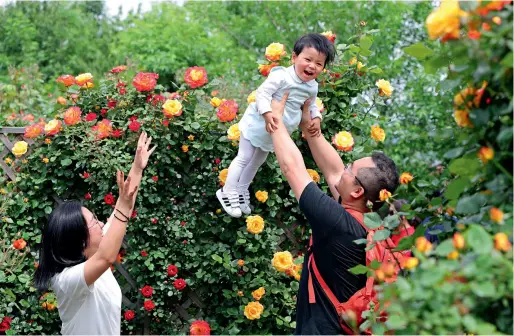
(309, 63)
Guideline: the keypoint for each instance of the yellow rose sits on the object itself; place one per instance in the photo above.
(359, 65)
(384, 87)
(343, 141)
(377, 133)
(352, 61)
(258, 293)
(501, 242)
(48, 141)
(8, 161)
(45, 160)
(83, 78)
(410, 263)
(254, 224)
(445, 21)
(497, 20)
(251, 97)
(88, 85)
(172, 108)
(240, 293)
(319, 104)
(3, 191)
(215, 101)
(405, 178)
(496, 215)
(275, 51)
(453, 255)
(314, 175)
(262, 196)
(19, 148)
(190, 137)
(423, 245)
(253, 310)
(233, 132)
(486, 154)
(462, 118)
(53, 127)
(223, 176)
(384, 195)
(460, 97)
(282, 261)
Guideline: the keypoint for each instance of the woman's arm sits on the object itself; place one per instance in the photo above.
(112, 240)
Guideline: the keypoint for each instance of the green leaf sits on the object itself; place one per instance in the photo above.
(483, 289)
(470, 205)
(217, 258)
(444, 248)
(376, 70)
(395, 322)
(366, 43)
(469, 323)
(361, 241)
(65, 162)
(456, 187)
(381, 235)
(375, 264)
(507, 60)
(454, 152)
(391, 222)
(464, 166)
(418, 50)
(195, 125)
(479, 239)
(359, 269)
(372, 220)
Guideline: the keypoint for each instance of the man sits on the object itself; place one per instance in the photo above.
(334, 229)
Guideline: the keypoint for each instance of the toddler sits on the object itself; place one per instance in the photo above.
(311, 53)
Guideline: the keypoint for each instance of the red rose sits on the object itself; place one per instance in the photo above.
(147, 291)
(91, 116)
(134, 126)
(134, 214)
(155, 178)
(103, 112)
(133, 118)
(129, 315)
(4, 326)
(145, 81)
(179, 284)
(149, 305)
(144, 254)
(7, 319)
(67, 80)
(86, 175)
(166, 122)
(109, 199)
(217, 161)
(172, 270)
(183, 223)
(123, 91)
(200, 327)
(195, 76)
(119, 69)
(185, 242)
(120, 84)
(87, 196)
(19, 244)
(227, 111)
(154, 220)
(112, 103)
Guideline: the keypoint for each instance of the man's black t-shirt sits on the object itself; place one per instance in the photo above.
(333, 232)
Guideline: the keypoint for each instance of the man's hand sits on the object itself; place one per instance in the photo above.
(271, 125)
(278, 107)
(314, 127)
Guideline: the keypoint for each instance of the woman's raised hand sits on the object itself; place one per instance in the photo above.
(143, 153)
(127, 195)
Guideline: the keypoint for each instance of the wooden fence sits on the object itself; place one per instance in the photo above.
(10, 135)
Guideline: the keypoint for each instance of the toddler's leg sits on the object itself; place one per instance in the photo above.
(228, 195)
(258, 158)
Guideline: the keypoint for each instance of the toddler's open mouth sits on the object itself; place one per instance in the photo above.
(308, 73)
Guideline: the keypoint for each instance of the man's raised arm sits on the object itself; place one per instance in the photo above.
(288, 155)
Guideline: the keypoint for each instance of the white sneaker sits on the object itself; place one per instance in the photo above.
(244, 202)
(230, 202)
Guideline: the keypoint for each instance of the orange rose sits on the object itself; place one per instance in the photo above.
(265, 69)
(343, 141)
(275, 51)
(485, 154)
(72, 115)
(61, 100)
(377, 133)
(501, 242)
(253, 310)
(185, 148)
(462, 118)
(145, 81)
(195, 77)
(384, 195)
(103, 129)
(330, 36)
(227, 111)
(453, 255)
(172, 108)
(240, 263)
(314, 175)
(458, 241)
(410, 263)
(67, 80)
(258, 293)
(423, 245)
(496, 215)
(53, 127)
(19, 244)
(405, 178)
(83, 79)
(32, 131)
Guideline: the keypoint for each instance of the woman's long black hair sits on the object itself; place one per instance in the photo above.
(65, 237)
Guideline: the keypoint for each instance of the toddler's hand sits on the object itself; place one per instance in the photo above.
(271, 125)
(314, 128)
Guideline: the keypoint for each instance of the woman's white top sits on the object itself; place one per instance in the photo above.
(93, 310)
(279, 81)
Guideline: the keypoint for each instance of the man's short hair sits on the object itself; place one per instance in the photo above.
(383, 176)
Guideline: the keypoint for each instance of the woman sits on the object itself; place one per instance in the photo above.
(406, 227)
(76, 256)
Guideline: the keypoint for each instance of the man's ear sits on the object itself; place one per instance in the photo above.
(357, 193)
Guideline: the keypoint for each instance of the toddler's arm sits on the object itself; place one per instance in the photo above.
(265, 92)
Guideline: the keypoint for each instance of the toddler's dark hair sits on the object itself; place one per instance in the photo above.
(318, 42)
